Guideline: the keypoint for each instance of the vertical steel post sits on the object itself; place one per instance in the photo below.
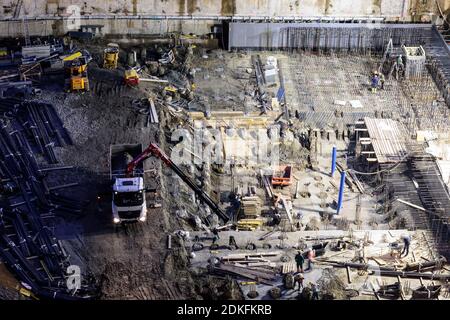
(333, 161)
(341, 192)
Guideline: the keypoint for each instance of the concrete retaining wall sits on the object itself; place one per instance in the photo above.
(110, 26)
(191, 16)
(396, 8)
(324, 36)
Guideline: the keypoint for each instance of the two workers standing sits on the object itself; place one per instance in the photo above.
(300, 259)
(299, 278)
(377, 80)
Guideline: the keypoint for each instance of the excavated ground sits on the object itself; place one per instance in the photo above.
(134, 262)
(130, 262)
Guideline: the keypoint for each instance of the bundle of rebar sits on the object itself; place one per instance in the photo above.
(260, 82)
(28, 246)
(435, 199)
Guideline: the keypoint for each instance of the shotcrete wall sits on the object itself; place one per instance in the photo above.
(194, 16)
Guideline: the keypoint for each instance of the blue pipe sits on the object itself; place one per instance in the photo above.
(341, 192)
(333, 161)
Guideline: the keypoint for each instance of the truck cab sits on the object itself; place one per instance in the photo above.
(128, 199)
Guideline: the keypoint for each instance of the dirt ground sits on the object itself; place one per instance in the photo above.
(134, 261)
(130, 262)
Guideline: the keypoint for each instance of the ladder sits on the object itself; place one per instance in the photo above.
(389, 50)
(26, 32)
(17, 9)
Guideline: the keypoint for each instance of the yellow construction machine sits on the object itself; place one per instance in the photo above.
(73, 56)
(131, 77)
(176, 93)
(111, 56)
(76, 75)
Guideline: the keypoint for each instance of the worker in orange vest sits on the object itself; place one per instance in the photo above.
(311, 258)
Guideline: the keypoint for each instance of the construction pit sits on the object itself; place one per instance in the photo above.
(258, 131)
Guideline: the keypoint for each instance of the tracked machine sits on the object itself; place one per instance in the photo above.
(111, 56)
(76, 74)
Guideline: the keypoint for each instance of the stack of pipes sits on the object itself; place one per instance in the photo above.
(28, 246)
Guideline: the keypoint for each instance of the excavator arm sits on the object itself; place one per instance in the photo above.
(154, 150)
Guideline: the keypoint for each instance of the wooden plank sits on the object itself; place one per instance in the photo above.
(402, 294)
(261, 264)
(267, 185)
(265, 254)
(349, 277)
(380, 262)
(297, 190)
(356, 181)
(250, 198)
(287, 209)
(334, 185)
(247, 261)
(288, 267)
(247, 272)
(153, 111)
(242, 256)
(348, 179)
(412, 205)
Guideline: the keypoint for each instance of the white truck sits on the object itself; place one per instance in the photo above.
(127, 173)
(128, 200)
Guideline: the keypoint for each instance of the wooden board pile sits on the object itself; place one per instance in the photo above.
(249, 224)
(288, 267)
(265, 277)
(250, 207)
(147, 108)
(254, 266)
(350, 179)
(251, 260)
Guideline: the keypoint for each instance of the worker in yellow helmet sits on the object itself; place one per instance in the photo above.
(375, 82)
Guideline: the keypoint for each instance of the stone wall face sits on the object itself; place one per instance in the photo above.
(395, 8)
(405, 10)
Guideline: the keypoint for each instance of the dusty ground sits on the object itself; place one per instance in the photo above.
(134, 262)
(130, 262)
